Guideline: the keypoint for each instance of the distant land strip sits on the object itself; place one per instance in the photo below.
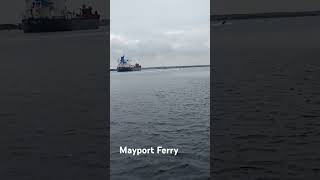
(169, 67)
(222, 17)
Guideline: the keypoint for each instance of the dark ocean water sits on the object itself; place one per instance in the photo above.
(168, 108)
(266, 99)
(53, 105)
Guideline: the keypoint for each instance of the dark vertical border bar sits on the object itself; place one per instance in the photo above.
(55, 104)
(108, 87)
(211, 91)
(264, 92)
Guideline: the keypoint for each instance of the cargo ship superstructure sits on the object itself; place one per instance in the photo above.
(125, 65)
(53, 15)
(86, 19)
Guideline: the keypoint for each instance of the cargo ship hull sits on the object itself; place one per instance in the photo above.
(54, 25)
(33, 25)
(126, 69)
(85, 23)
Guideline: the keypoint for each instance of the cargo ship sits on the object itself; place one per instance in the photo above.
(86, 19)
(125, 65)
(53, 15)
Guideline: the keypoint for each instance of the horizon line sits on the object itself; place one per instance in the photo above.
(169, 67)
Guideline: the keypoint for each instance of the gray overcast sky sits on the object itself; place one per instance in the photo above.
(250, 6)
(161, 32)
(11, 11)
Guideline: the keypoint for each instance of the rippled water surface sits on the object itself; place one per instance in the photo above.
(266, 99)
(52, 105)
(168, 108)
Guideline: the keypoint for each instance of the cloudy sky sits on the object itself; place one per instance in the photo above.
(160, 32)
(251, 6)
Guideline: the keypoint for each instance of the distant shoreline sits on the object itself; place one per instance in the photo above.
(223, 17)
(169, 67)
